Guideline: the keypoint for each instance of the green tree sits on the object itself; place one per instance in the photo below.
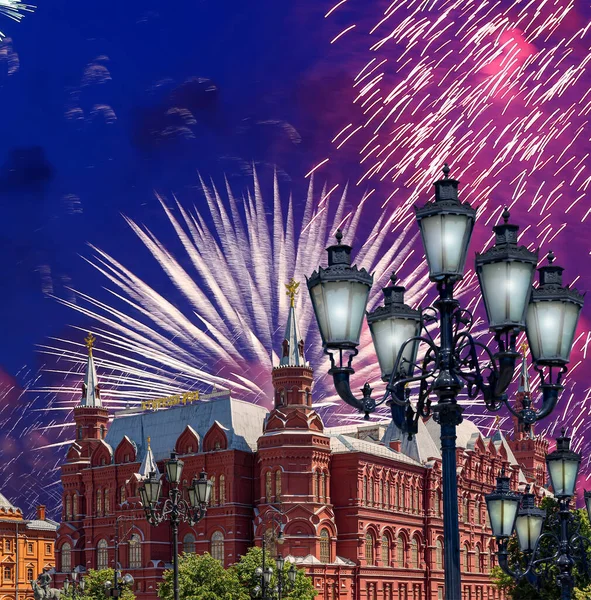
(94, 586)
(547, 588)
(202, 577)
(245, 568)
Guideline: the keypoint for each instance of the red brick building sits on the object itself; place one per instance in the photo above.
(362, 504)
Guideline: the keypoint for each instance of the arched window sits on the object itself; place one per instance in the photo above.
(122, 494)
(217, 546)
(324, 546)
(396, 495)
(385, 551)
(466, 511)
(66, 558)
(466, 557)
(323, 486)
(438, 554)
(364, 490)
(371, 491)
(401, 496)
(381, 493)
(412, 500)
(222, 489)
(74, 506)
(401, 551)
(268, 486)
(437, 503)
(213, 499)
(387, 498)
(417, 499)
(80, 432)
(189, 543)
(477, 512)
(314, 486)
(102, 555)
(414, 553)
(135, 552)
(477, 565)
(103, 432)
(318, 487)
(99, 502)
(278, 485)
(107, 503)
(369, 553)
(68, 507)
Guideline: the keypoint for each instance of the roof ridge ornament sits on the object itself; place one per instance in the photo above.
(89, 341)
(292, 290)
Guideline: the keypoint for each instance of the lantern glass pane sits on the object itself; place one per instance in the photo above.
(193, 495)
(203, 488)
(446, 243)
(506, 287)
(388, 336)
(551, 327)
(174, 470)
(502, 513)
(339, 308)
(563, 476)
(528, 529)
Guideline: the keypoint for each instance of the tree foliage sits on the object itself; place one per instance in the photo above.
(546, 588)
(94, 586)
(201, 577)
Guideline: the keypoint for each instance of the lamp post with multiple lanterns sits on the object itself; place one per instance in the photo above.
(512, 512)
(114, 589)
(549, 314)
(174, 508)
(76, 587)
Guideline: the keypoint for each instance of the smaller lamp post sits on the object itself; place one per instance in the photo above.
(115, 589)
(567, 546)
(174, 508)
(76, 587)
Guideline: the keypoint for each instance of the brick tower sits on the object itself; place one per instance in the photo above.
(294, 457)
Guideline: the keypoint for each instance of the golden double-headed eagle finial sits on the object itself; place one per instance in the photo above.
(89, 341)
(523, 348)
(292, 290)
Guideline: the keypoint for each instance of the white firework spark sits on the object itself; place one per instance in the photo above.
(15, 10)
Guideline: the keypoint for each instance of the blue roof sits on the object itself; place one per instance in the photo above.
(242, 422)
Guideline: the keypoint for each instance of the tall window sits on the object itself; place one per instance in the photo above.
(189, 544)
(278, 485)
(371, 491)
(477, 513)
(222, 489)
(387, 499)
(102, 555)
(107, 503)
(437, 503)
(217, 546)
(135, 552)
(74, 505)
(323, 485)
(385, 551)
(122, 494)
(414, 553)
(99, 502)
(80, 430)
(466, 511)
(466, 557)
(439, 554)
(213, 499)
(318, 486)
(477, 559)
(66, 558)
(417, 499)
(314, 485)
(401, 551)
(268, 486)
(68, 507)
(369, 553)
(30, 574)
(7, 545)
(396, 495)
(364, 490)
(324, 546)
(7, 572)
(381, 493)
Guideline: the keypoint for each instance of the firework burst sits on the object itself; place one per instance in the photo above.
(15, 10)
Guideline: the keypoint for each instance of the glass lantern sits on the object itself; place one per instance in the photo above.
(502, 506)
(529, 523)
(563, 468)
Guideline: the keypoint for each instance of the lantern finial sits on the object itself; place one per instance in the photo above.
(339, 236)
(551, 257)
(506, 215)
(445, 170)
(393, 278)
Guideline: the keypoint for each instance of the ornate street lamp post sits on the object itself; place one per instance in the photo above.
(339, 295)
(567, 547)
(174, 508)
(77, 587)
(115, 588)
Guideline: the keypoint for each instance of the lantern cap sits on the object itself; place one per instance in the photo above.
(393, 304)
(528, 503)
(339, 266)
(506, 248)
(551, 287)
(503, 489)
(446, 199)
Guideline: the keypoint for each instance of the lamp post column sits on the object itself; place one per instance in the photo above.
(174, 525)
(263, 581)
(448, 413)
(564, 561)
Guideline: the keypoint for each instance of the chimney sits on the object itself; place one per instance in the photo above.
(396, 445)
(41, 513)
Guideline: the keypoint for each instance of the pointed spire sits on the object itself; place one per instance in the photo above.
(91, 396)
(524, 376)
(148, 464)
(292, 348)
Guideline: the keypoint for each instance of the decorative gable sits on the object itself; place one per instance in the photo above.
(188, 442)
(126, 451)
(215, 438)
(102, 455)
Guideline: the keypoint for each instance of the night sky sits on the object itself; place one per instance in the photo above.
(105, 104)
